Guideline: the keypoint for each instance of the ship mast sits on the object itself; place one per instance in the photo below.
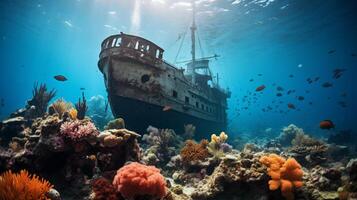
(193, 40)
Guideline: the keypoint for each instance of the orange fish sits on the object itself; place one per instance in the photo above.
(166, 108)
(260, 88)
(291, 106)
(326, 124)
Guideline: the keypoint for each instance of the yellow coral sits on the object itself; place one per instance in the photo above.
(73, 113)
(286, 174)
(61, 106)
(22, 186)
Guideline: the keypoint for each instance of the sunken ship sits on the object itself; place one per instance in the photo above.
(146, 90)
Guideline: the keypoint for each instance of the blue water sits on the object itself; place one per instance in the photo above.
(43, 38)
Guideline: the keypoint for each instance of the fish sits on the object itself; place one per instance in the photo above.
(289, 92)
(344, 94)
(307, 91)
(291, 106)
(301, 98)
(82, 88)
(337, 73)
(260, 74)
(291, 76)
(316, 79)
(279, 94)
(342, 104)
(353, 54)
(326, 124)
(166, 108)
(60, 78)
(310, 103)
(2, 102)
(327, 85)
(260, 88)
(279, 88)
(309, 80)
(251, 80)
(331, 51)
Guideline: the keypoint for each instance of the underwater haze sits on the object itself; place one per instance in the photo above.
(178, 99)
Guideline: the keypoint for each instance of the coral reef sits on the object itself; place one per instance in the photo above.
(286, 174)
(23, 186)
(288, 134)
(39, 102)
(135, 180)
(60, 107)
(118, 123)
(161, 145)
(104, 190)
(236, 177)
(193, 152)
(76, 130)
(81, 107)
(218, 146)
(308, 150)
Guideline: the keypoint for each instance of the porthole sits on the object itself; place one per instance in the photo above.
(145, 78)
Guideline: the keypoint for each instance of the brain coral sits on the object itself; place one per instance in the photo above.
(135, 180)
(285, 174)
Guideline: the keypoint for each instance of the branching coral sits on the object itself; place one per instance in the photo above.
(135, 180)
(23, 186)
(60, 107)
(76, 130)
(218, 146)
(104, 190)
(194, 152)
(81, 107)
(288, 134)
(286, 174)
(40, 99)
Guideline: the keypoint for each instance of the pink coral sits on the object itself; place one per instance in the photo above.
(135, 179)
(76, 130)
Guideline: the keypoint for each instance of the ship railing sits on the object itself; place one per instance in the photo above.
(132, 46)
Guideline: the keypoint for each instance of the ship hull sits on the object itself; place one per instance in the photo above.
(139, 115)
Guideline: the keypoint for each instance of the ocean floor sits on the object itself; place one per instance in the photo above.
(58, 151)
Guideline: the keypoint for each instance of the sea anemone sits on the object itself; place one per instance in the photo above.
(23, 186)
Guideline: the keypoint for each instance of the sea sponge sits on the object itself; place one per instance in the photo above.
(194, 152)
(76, 130)
(135, 180)
(286, 174)
(23, 186)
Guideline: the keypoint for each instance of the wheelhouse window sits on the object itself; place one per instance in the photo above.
(187, 100)
(174, 93)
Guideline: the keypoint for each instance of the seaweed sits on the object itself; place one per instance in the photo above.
(81, 107)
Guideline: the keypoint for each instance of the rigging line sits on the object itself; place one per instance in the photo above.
(178, 52)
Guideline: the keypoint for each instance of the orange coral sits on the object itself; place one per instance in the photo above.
(137, 180)
(22, 186)
(194, 152)
(286, 174)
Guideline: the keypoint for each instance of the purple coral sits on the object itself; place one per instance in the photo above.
(76, 130)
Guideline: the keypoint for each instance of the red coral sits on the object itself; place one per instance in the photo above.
(135, 179)
(194, 152)
(104, 190)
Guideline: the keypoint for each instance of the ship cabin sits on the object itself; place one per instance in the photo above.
(133, 47)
